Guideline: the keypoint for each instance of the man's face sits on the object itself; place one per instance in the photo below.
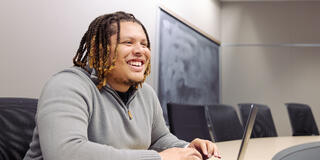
(133, 56)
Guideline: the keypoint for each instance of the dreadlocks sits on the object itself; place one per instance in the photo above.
(94, 48)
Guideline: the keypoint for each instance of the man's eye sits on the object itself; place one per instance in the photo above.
(144, 44)
(127, 42)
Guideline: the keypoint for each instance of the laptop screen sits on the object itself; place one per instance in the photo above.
(247, 131)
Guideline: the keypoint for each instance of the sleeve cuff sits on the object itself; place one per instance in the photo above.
(150, 155)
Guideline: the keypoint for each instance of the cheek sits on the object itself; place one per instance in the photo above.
(148, 55)
(122, 56)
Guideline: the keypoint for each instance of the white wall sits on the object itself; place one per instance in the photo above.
(40, 37)
(262, 61)
(204, 14)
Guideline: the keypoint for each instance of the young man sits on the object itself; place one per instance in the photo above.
(101, 110)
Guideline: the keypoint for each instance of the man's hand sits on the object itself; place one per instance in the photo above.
(180, 154)
(205, 147)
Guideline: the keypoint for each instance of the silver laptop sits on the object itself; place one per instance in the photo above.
(247, 132)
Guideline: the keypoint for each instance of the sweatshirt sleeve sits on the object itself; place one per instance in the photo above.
(161, 137)
(62, 122)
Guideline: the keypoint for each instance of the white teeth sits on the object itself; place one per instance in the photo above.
(138, 64)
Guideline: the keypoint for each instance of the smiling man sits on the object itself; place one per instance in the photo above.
(133, 56)
(100, 109)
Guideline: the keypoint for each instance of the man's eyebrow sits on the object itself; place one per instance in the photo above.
(130, 38)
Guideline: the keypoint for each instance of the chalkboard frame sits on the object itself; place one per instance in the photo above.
(162, 76)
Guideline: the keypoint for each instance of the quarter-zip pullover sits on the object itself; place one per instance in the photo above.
(76, 121)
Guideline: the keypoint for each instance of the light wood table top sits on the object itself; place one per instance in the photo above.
(261, 148)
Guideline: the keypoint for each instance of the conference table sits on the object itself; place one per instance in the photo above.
(264, 148)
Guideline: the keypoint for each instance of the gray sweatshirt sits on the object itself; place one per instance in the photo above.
(76, 121)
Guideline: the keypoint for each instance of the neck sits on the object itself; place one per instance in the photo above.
(120, 87)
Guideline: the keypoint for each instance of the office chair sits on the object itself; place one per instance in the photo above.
(264, 125)
(17, 124)
(225, 122)
(187, 121)
(301, 119)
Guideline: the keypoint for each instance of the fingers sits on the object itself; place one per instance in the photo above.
(204, 150)
(214, 150)
(207, 148)
(211, 149)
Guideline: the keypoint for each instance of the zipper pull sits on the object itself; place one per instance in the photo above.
(130, 115)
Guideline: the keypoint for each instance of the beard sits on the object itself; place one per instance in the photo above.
(129, 82)
(122, 79)
(132, 82)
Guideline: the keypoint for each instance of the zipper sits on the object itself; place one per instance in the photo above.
(124, 106)
(130, 115)
(127, 106)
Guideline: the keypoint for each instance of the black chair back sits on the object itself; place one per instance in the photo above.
(17, 124)
(188, 122)
(264, 124)
(301, 119)
(225, 122)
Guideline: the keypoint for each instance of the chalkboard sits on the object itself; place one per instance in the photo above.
(188, 64)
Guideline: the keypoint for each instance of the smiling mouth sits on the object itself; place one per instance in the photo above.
(135, 63)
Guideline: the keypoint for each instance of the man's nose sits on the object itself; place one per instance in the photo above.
(138, 49)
